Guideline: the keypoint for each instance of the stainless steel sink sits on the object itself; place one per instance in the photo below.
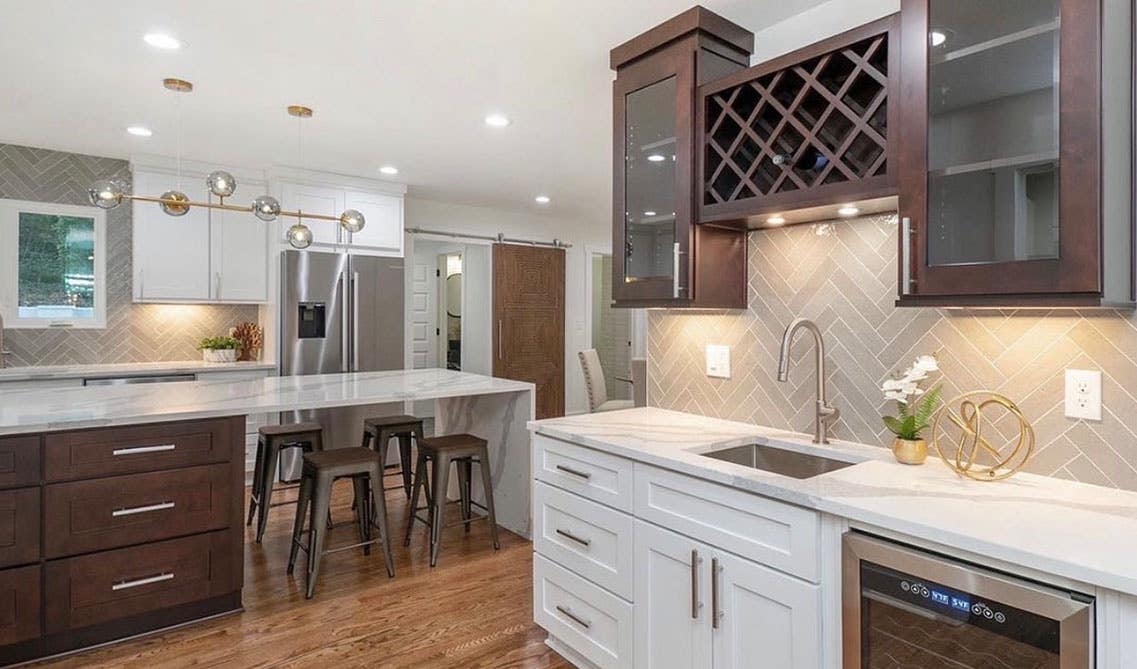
(778, 460)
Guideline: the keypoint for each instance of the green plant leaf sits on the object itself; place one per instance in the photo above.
(893, 424)
(928, 406)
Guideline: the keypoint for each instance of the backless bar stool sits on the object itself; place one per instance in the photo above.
(463, 450)
(271, 439)
(385, 428)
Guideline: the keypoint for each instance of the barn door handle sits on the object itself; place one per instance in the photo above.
(500, 330)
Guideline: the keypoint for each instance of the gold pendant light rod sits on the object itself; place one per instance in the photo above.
(224, 207)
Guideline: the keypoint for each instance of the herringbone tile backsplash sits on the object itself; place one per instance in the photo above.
(134, 332)
(843, 275)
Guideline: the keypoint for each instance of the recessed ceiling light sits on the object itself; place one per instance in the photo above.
(389, 169)
(649, 213)
(139, 131)
(657, 158)
(542, 199)
(162, 41)
(776, 220)
(497, 120)
(848, 210)
(937, 37)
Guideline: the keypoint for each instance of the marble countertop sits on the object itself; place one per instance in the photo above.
(34, 373)
(101, 406)
(1073, 530)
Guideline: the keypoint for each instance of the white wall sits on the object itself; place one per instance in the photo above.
(813, 25)
(444, 216)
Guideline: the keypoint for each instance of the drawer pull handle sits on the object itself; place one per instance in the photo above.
(574, 472)
(132, 510)
(157, 578)
(143, 449)
(573, 617)
(572, 537)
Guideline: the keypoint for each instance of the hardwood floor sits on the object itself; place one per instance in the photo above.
(472, 611)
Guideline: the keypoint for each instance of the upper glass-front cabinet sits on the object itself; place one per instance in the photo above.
(1001, 141)
(660, 256)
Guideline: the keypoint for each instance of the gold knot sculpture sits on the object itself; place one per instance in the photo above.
(969, 423)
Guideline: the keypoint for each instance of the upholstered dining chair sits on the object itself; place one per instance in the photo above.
(596, 386)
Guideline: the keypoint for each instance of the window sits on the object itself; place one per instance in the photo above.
(53, 270)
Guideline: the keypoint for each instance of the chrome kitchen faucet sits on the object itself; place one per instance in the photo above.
(825, 413)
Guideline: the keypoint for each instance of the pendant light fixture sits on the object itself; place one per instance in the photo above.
(109, 193)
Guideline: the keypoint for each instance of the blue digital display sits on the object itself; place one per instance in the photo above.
(940, 597)
(960, 604)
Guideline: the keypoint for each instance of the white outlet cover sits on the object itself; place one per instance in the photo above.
(718, 361)
(1083, 394)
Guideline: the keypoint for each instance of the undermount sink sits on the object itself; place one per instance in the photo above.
(778, 460)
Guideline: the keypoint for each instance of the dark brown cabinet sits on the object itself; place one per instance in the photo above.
(793, 139)
(1015, 160)
(661, 256)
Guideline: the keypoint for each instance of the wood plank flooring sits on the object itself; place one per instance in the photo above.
(473, 611)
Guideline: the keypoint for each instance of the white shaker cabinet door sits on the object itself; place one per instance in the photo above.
(672, 600)
(240, 255)
(382, 232)
(171, 253)
(313, 200)
(766, 618)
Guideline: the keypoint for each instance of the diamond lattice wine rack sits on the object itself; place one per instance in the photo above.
(805, 130)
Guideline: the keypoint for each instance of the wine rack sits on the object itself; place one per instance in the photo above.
(805, 130)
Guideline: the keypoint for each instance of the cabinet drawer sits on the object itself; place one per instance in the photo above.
(128, 450)
(127, 582)
(773, 533)
(85, 516)
(19, 461)
(589, 473)
(19, 604)
(19, 526)
(591, 540)
(591, 621)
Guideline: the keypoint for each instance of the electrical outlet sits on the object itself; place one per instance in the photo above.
(1083, 394)
(718, 361)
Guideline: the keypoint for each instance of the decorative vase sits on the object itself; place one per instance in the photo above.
(219, 354)
(910, 451)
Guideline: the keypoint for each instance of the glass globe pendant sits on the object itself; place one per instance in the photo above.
(173, 203)
(266, 208)
(221, 183)
(105, 193)
(300, 236)
(352, 220)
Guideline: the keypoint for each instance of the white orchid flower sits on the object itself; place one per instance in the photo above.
(913, 375)
(892, 385)
(926, 363)
(896, 395)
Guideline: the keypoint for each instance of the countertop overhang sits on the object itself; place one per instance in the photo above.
(1076, 531)
(104, 406)
(98, 371)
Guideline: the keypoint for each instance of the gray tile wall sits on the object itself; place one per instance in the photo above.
(134, 333)
(843, 275)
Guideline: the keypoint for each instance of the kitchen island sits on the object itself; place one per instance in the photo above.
(122, 507)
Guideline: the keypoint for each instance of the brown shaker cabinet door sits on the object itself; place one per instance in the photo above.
(85, 516)
(128, 582)
(19, 604)
(19, 461)
(19, 526)
(128, 450)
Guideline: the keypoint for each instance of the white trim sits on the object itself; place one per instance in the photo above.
(9, 268)
(279, 173)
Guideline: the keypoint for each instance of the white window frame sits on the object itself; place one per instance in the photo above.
(10, 263)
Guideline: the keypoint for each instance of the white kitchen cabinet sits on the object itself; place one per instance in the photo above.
(207, 255)
(383, 231)
(672, 600)
(314, 199)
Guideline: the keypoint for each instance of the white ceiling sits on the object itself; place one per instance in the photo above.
(404, 82)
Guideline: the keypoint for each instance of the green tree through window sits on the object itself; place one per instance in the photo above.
(57, 262)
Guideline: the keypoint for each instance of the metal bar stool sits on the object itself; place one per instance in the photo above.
(463, 450)
(321, 470)
(385, 428)
(271, 440)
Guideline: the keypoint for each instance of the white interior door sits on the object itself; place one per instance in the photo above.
(672, 600)
(423, 317)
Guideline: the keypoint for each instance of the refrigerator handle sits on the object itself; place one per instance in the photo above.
(344, 323)
(355, 321)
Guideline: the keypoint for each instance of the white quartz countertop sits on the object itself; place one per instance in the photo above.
(126, 369)
(101, 406)
(1074, 530)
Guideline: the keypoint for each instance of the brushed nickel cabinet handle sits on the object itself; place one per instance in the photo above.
(906, 280)
(675, 270)
(716, 615)
(566, 612)
(572, 537)
(157, 578)
(574, 472)
(135, 510)
(136, 450)
(695, 604)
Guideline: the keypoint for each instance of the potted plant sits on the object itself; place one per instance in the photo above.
(219, 349)
(914, 409)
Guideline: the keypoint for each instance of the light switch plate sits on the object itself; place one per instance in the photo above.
(1083, 394)
(718, 361)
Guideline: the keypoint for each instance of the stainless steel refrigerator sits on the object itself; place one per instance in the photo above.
(339, 313)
